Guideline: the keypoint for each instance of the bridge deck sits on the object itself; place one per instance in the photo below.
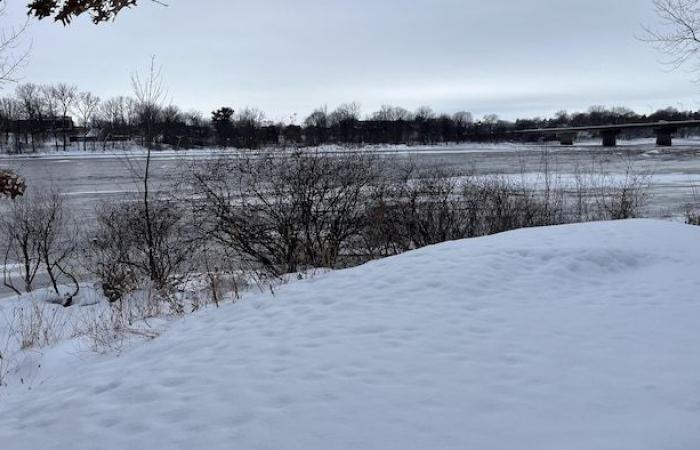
(664, 131)
(615, 127)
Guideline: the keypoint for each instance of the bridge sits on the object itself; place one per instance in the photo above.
(664, 131)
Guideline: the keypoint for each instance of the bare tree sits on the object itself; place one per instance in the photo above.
(344, 119)
(29, 96)
(150, 96)
(113, 116)
(172, 113)
(318, 118)
(463, 119)
(678, 36)
(112, 112)
(120, 114)
(66, 96)
(58, 243)
(13, 52)
(392, 113)
(39, 234)
(86, 106)
(347, 112)
(194, 118)
(247, 122)
(10, 113)
(250, 117)
(21, 258)
(317, 126)
(51, 105)
(490, 121)
(424, 113)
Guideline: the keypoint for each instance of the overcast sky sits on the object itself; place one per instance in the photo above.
(510, 57)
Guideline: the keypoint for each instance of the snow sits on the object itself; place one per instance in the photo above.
(563, 338)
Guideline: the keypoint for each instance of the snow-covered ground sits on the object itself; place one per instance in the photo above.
(572, 337)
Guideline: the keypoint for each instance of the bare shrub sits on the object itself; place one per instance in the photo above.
(40, 234)
(110, 252)
(293, 211)
(4, 366)
(31, 325)
(110, 328)
(415, 209)
(626, 199)
(130, 246)
(692, 214)
(496, 205)
(58, 246)
(6, 345)
(425, 207)
(146, 238)
(287, 212)
(21, 259)
(220, 279)
(39, 325)
(105, 331)
(599, 195)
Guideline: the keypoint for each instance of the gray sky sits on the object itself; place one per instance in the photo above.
(510, 57)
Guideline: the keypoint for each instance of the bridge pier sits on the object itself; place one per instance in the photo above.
(664, 136)
(566, 138)
(609, 138)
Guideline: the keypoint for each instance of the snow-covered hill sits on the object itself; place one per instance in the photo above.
(575, 337)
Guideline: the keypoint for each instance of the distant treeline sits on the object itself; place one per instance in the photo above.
(61, 114)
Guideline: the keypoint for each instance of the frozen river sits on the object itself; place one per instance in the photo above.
(88, 179)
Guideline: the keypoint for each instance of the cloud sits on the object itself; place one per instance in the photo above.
(505, 56)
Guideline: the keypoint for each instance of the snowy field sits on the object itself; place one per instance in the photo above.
(575, 337)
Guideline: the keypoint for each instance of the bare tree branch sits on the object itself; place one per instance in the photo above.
(13, 50)
(678, 35)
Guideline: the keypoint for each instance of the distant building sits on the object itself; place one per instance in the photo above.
(41, 125)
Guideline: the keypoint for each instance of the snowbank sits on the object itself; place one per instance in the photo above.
(573, 337)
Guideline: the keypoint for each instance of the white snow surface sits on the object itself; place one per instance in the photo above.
(573, 337)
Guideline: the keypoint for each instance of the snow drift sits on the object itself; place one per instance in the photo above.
(570, 337)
